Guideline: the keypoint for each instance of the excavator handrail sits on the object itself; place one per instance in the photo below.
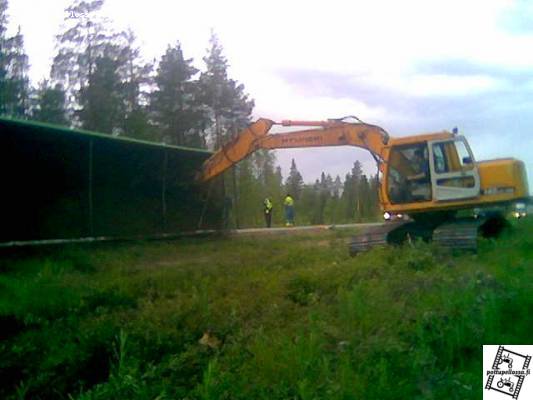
(331, 123)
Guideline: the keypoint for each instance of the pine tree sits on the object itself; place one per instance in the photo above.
(175, 101)
(19, 76)
(101, 100)
(229, 107)
(50, 105)
(85, 39)
(135, 75)
(5, 95)
(4, 20)
(294, 182)
(14, 66)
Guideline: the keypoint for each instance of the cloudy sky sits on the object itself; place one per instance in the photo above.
(409, 66)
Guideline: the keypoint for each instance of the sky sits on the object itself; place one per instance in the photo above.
(410, 66)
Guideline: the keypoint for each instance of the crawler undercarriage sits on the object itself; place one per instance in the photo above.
(444, 230)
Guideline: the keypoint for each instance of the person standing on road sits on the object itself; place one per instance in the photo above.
(289, 210)
(267, 210)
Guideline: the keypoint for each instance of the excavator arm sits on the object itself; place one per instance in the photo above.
(329, 133)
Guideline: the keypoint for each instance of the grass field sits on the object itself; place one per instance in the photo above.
(291, 317)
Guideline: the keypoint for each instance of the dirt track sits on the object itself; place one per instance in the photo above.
(297, 229)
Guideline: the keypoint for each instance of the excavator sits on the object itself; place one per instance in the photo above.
(431, 186)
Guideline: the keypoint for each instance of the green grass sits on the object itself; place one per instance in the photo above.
(293, 317)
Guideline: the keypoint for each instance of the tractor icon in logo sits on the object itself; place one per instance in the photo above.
(506, 359)
(506, 382)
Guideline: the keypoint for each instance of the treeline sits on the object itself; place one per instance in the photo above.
(99, 81)
(333, 201)
(326, 201)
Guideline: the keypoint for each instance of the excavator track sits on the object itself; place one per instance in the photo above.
(460, 234)
(375, 236)
(394, 233)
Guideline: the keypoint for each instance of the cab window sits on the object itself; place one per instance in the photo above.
(464, 155)
(451, 157)
(439, 159)
(408, 174)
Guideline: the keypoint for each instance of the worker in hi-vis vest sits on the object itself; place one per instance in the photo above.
(267, 210)
(289, 210)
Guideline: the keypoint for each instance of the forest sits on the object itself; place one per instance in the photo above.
(100, 81)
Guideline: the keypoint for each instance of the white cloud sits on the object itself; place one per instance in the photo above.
(422, 85)
(382, 41)
(278, 101)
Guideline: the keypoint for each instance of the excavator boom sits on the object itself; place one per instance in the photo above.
(326, 133)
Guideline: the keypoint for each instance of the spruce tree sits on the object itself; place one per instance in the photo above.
(174, 104)
(50, 105)
(307, 204)
(334, 204)
(337, 187)
(374, 197)
(351, 196)
(324, 194)
(364, 198)
(348, 198)
(294, 182)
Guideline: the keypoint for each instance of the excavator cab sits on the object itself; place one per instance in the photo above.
(433, 170)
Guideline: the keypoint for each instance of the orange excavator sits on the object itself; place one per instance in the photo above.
(431, 186)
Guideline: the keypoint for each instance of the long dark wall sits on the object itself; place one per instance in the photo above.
(59, 183)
